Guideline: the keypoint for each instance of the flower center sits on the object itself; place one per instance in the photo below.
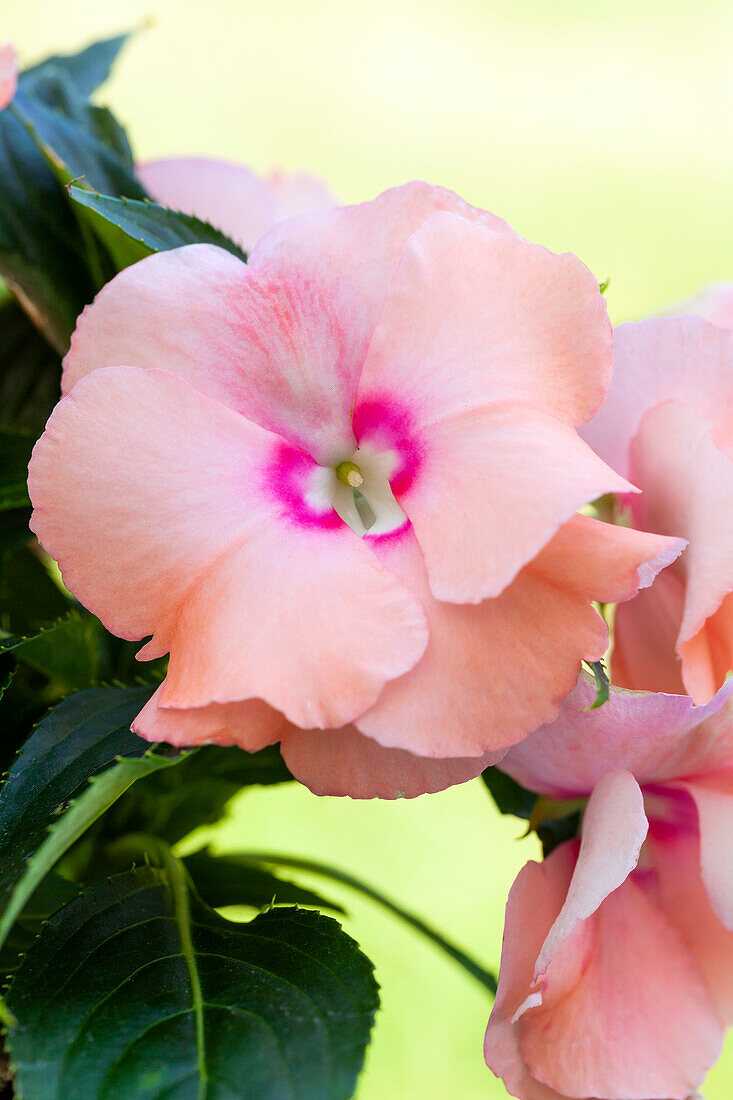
(349, 474)
(361, 493)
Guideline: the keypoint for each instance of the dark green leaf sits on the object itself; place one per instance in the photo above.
(29, 598)
(171, 804)
(47, 802)
(136, 989)
(70, 652)
(15, 453)
(78, 140)
(88, 69)
(509, 797)
(30, 371)
(132, 230)
(229, 880)
(475, 969)
(42, 256)
(554, 831)
(53, 893)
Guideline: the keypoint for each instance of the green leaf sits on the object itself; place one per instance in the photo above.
(172, 803)
(509, 797)
(30, 371)
(47, 802)
(78, 139)
(29, 598)
(554, 831)
(132, 230)
(483, 976)
(54, 892)
(15, 453)
(42, 256)
(70, 652)
(136, 989)
(229, 880)
(88, 69)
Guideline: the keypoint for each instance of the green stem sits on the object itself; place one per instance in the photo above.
(485, 977)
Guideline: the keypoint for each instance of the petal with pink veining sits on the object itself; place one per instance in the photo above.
(277, 346)
(363, 243)
(346, 762)
(171, 515)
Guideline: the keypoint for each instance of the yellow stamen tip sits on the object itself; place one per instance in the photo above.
(349, 474)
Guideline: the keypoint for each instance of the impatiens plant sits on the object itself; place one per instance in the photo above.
(344, 496)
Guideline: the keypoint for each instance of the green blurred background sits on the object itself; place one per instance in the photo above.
(595, 127)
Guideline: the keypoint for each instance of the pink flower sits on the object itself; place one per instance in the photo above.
(667, 425)
(617, 966)
(715, 304)
(197, 484)
(230, 196)
(8, 75)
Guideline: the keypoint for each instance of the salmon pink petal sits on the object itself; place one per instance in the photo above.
(707, 658)
(675, 886)
(604, 1027)
(473, 317)
(688, 491)
(601, 1026)
(614, 829)
(250, 724)
(645, 635)
(303, 617)
(139, 484)
(664, 359)
(713, 797)
(603, 562)
(656, 737)
(533, 903)
(170, 515)
(363, 243)
(275, 346)
(492, 487)
(494, 655)
(345, 762)
(8, 74)
(230, 196)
